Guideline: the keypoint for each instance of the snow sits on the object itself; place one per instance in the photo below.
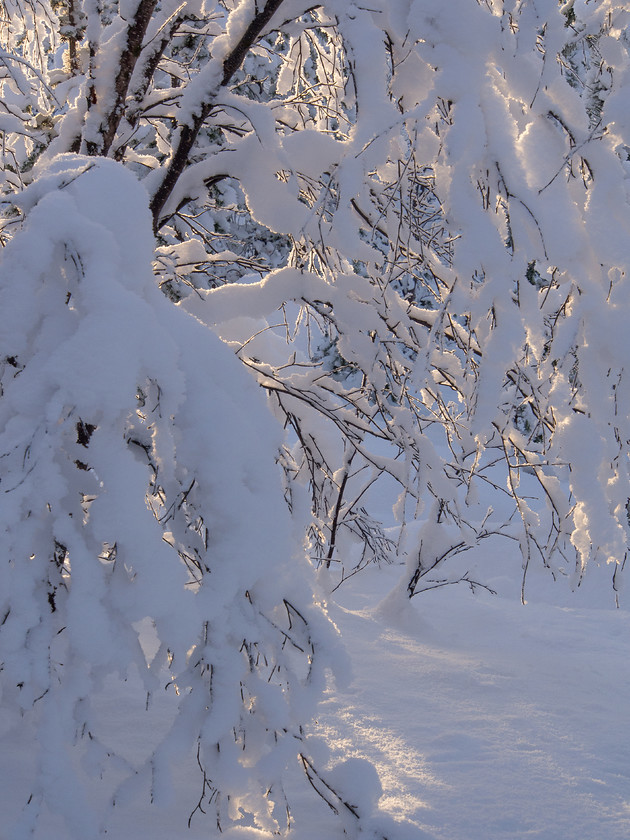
(168, 618)
(485, 718)
(481, 717)
(100, 348)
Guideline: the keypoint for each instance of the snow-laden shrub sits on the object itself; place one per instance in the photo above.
(139, 496)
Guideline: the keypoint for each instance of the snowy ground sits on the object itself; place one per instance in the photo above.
(486, 720)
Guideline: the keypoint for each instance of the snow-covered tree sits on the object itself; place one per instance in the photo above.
(409, 222)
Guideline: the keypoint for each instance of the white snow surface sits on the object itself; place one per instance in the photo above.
(486, 718)
(483, 718)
